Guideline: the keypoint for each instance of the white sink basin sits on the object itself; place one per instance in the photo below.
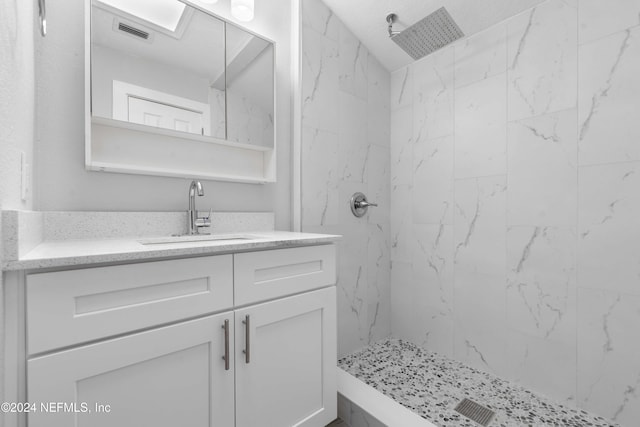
(198, 238)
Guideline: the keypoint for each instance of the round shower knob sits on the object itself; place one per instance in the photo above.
(360, 205)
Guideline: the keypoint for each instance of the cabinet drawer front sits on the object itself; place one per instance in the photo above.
(70, 307)
(265, 275)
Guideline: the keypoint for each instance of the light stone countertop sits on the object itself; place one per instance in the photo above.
(65, 253)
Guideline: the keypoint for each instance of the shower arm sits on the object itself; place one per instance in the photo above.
(391, 18)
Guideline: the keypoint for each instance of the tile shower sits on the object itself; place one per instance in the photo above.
(507, 168)
(345, 149)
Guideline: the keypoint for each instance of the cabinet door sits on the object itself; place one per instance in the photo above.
(165, 377)
(288, 377)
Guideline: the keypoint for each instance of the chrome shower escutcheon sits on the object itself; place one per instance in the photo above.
(360, 205)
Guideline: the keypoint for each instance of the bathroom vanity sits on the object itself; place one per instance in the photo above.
(238, 330)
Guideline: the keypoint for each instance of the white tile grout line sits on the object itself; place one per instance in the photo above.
(381, 407)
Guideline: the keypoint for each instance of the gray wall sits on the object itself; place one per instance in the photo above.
(17, 115)
(17, 107)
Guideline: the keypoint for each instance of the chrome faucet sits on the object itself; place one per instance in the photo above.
(195, 223)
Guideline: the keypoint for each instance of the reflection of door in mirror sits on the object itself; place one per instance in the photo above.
(137, 104)
(157, 64)
(165, 116)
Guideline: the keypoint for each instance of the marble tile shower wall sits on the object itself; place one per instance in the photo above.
(515, 198)
(345, 149)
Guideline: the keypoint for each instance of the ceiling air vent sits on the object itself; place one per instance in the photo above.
(133, 31)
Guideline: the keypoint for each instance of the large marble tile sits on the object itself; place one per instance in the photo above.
(320, 87)
(480, 270)
(541, 282)
(478, 341)
(546, 366)
(543, 170)
(608, 244)
(353, 116)
(480, 234)
(402, 146)
(319, 170)
(352, 288)
(402, 300)
(597, 18)
(433, 181)
(542, 59)
(609, 99)
(378, 182)
(218, 118)
(401, 223)
(353, 148)
(378, 111)
(353, 64)
(317, 16)
(608, 355)
(432, 262)
(433, 95)
(379, 276)
(247, 121)
(402, 88)
(481, 56)
(480, 128)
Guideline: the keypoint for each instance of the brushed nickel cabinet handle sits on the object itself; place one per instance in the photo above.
(226, 344)
(247, 338)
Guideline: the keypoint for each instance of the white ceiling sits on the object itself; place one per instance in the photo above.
(366, 19)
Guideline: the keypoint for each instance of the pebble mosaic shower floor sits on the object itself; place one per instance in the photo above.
(432, 386)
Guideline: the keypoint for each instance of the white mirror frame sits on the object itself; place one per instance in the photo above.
(122, 147)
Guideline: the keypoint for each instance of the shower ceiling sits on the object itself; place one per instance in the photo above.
(366, 18)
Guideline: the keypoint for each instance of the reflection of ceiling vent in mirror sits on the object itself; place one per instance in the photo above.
(133, 31)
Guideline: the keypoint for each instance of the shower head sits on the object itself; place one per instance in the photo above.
(427, 35)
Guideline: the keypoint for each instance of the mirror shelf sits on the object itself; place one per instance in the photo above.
(172, 173)
(175, 134)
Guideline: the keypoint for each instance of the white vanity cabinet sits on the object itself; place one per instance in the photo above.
(165, 343)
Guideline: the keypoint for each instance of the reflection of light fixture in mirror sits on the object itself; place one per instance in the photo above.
(242, 10)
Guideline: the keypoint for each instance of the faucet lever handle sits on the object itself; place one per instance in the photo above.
(209, 216)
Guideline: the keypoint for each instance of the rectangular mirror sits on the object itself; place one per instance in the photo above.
(165, 65)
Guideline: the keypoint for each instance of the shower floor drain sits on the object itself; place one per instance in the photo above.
(475, 412)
